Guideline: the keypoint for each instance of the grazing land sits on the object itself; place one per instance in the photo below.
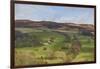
(51, 43)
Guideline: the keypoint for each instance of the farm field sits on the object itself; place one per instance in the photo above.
(34, 46)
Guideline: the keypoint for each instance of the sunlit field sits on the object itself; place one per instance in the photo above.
(36, 46)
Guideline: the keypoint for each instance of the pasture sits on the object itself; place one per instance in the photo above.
(34, 46)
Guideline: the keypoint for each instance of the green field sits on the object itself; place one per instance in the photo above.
(36, 46)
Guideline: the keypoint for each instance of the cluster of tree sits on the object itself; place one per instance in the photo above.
(26, 40)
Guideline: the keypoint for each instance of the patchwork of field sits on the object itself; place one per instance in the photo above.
(36, 46)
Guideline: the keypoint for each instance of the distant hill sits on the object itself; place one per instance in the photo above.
(53, 25)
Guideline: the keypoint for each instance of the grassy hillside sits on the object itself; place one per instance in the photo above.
(48, 46)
